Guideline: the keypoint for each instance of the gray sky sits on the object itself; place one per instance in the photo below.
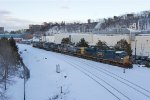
(16, 14)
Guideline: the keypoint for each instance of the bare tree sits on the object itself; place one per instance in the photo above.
(8, 60)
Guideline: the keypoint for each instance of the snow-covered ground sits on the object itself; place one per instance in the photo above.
(80, 79)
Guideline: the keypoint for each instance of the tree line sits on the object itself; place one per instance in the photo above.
(121, 45)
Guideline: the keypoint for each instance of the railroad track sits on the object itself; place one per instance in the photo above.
(90, 74)
(99, 80)
(122, 80)
(106, 72)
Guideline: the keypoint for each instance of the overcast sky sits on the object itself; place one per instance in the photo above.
(16, 14)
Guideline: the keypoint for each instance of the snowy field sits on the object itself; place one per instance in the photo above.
(80, 79)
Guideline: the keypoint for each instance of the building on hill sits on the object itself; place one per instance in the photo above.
(34, 28)
(144, 24)
(97, 30)
(1, 30)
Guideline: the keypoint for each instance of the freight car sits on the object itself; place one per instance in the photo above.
(118, 58)
(34, 44)
(48, 46)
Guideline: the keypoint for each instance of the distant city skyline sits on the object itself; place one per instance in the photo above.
(18, 14)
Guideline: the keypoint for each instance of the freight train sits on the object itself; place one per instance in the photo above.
(117, 58)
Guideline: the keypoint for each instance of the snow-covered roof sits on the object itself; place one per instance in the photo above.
(120, 51)
(116, 31)
(98, 25)
(110, 35)
(144, 34)
(132, 30)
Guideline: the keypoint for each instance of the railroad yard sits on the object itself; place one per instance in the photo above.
(79, 79)
(74, 50)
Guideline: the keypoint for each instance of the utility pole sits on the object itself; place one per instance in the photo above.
(5, 75)
(24, 84)
(61, 90)
(124, 70)
(135, 49)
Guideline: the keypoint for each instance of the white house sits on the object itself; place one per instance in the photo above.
(142, 45)
(48, 38)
